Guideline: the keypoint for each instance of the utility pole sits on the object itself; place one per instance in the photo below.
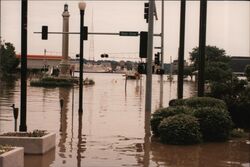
(162, 52)
(0, 26)
(202, 47)
(24, 27)
(181, 50)
(148, 100)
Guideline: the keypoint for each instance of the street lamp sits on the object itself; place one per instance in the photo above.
(82, 6)
(23, 106)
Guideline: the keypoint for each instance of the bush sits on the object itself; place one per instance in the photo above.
(238, 133)
(236, 94)
(180, 129)
(240, 113)
(215, 123)
(247, 72)
(53, 82)
(160, 114)
(198, 102)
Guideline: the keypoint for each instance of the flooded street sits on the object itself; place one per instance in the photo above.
(114, 129)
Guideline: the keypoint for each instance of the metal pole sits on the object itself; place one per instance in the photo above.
(23, 126)
(162, 52)
(202, 47)
(162, 34)
(181, 50)
(81, 61)
(148, 100)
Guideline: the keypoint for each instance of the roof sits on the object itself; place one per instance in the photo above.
(239, 64)
(41, 57)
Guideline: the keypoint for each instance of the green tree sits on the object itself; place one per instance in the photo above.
(9, 61)
(218, 71)
(247, 72)
(217, 63)
(213, 54)
(188, 71)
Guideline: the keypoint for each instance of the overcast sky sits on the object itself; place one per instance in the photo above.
(228, 27)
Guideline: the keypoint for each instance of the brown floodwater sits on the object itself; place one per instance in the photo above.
(114, 129)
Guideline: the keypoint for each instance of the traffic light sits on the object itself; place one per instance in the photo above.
(157, 58)
(142, 68)
(146, 9)
(143, 44)
(44, 32)
(104, 55)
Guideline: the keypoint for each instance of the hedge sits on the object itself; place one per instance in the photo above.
(180, 129)
(197, 102)
(215, 123)
(160, 114)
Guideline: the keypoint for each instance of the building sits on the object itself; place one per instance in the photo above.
(238, 64)
(41, 61)
(175, 66)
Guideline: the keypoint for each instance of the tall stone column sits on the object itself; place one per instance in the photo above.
(64, 65)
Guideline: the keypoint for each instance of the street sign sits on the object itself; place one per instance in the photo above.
(128, 33)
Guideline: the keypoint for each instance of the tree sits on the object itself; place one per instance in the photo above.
(9, 61)
(188, 71)
(247, 72)
(218, 71)
(213, 54)
(217, 63)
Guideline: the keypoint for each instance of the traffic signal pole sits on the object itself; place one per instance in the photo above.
(148, 100)
(162, 52)
(181, 50)
(202, 47)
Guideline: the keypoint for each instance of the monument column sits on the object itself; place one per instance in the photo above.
(65, 64)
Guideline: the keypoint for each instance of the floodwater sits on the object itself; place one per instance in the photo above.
(114, 128)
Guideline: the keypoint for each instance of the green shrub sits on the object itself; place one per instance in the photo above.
(198, 102)
(180, 129)
(34, 133)
(238, 133)
(176, 102)
(240, 113)
(4, 148)
(53, 82)
(160, 114)
(215, 123)
(50, 83)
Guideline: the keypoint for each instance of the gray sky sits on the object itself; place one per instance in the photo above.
(228, 27)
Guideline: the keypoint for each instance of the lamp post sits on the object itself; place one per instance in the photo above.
(82, 6)
(23, 126)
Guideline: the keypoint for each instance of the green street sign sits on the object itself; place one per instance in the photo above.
(128, 33)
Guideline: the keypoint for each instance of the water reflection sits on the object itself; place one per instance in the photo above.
(146, 157)
(40, 160)
(7, 97)
(114, 129)
(232, 153)
(81, 145)
(64, 96)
